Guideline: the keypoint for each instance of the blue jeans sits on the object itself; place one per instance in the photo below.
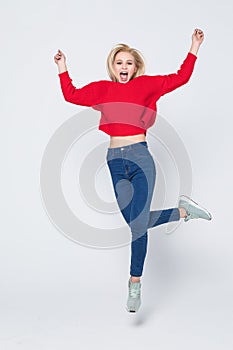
(133, 174)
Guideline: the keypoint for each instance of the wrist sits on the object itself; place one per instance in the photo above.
(62, 68)
(194, 48)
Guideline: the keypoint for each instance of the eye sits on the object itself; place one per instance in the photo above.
(130, 63)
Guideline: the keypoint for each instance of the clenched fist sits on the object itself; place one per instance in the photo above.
(59, 58)
(198, 36)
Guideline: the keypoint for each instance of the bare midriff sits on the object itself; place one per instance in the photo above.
(119, 141)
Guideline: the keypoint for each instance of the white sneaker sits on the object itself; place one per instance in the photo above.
(134, 297)
(194, 211)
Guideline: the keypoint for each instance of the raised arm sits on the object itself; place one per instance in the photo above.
(172, 81)
(88, 95)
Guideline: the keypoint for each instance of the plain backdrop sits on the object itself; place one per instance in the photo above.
(57, 294)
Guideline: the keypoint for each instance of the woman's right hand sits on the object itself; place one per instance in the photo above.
(59, 58)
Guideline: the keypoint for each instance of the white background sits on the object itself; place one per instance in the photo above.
(56, 294)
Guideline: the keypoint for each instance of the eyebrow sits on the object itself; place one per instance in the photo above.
(119, 59)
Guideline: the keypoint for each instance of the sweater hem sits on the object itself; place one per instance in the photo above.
(117, 129)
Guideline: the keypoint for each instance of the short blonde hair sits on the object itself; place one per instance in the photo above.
(138, 58)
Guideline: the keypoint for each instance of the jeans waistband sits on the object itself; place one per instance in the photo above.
(136, 145)
(132, 145)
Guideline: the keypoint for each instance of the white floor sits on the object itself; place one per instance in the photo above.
(51, 304)
(194, 318)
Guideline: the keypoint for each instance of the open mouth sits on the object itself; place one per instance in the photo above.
(124, 76)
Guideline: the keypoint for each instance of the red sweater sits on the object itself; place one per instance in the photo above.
(127, 108)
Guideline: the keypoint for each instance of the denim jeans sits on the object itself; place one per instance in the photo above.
(133, 174)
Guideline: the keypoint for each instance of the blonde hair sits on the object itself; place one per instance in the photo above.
(138, 58)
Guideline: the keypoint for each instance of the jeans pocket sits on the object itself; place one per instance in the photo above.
(108, 157)
(108, 161)
(141, 152)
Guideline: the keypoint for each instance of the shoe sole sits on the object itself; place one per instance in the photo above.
(195, 204)
(131, 311)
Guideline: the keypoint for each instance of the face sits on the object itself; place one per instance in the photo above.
(124, 66)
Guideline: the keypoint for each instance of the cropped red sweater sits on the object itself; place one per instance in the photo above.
(127, 108)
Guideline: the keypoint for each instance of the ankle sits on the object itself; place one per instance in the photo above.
(134, 279)
(183, 213)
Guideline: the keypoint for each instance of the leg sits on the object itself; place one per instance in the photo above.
(133, 194)
(143, 180)
(131, 190)
(159, 217)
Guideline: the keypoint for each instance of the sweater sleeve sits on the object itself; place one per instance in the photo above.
(88, 95)
(172, 81)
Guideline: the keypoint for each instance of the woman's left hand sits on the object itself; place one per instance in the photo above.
(198, 36)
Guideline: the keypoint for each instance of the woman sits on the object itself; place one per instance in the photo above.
(128, 108)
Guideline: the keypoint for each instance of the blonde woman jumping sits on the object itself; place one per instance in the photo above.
(127, 104)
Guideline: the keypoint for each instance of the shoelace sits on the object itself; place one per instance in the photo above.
(134, 292)
(190, 216)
